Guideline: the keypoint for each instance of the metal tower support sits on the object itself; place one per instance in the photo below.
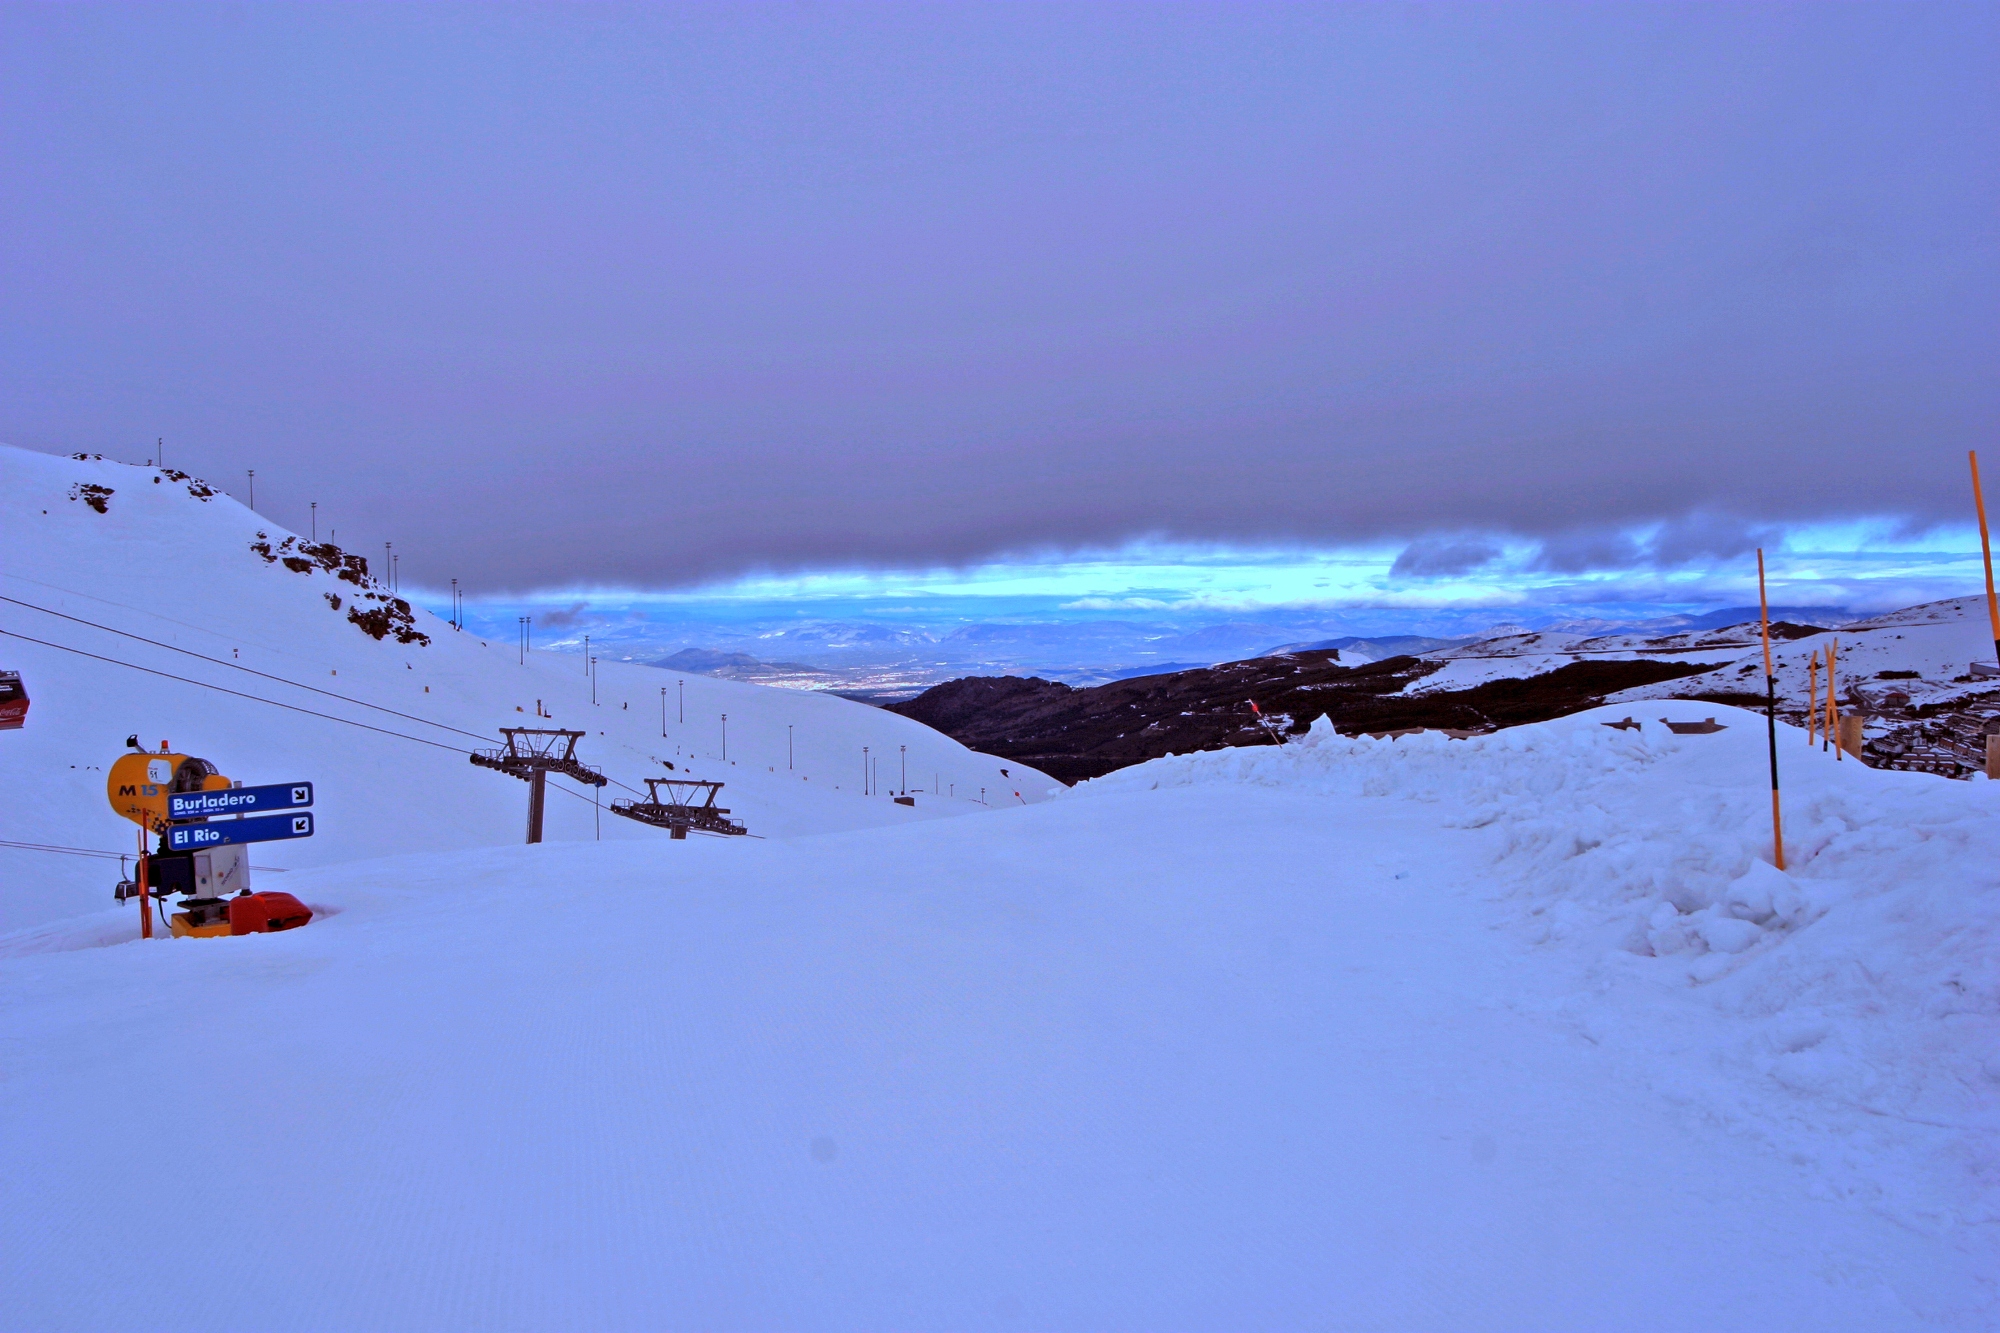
(531, 754)
(678, 812)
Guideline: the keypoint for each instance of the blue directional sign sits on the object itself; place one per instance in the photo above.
(264, 828)
(240, 800)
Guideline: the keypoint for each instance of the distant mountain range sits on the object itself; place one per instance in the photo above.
(1373, 650)
(1912, 673)
(708, 662)
(879, 663)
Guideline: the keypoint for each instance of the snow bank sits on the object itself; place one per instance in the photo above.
(1845, 1010)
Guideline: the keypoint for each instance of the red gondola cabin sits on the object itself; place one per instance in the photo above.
(13, 701)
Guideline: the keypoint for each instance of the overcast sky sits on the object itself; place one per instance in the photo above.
(566, 294)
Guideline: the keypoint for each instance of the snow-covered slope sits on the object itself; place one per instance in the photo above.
(1515, 1032)
(169, 561)
(1845, 1010)
(1938, 641)
(1928, 651)
(1506, 656)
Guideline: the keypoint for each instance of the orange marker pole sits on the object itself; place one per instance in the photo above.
(145, 908)
(1832, 704)
(1986, 551)
(1771, 718)
(1812, 698)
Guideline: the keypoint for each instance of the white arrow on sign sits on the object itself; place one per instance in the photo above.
(301, 823)
(300, 795)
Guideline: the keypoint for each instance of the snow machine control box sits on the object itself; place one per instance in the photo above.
(246, 914)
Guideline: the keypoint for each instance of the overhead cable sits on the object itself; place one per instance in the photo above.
(238, 666)
(185, 680)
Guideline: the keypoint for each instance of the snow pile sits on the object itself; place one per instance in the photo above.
(1846, 1010)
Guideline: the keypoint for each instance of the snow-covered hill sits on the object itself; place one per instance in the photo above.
(1845, 1010)
(98, 558)
(1931, 647)
(1515, 1032)
(1937, 641)
(1910, 675)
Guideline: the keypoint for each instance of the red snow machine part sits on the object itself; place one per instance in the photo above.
(254, 913)
(13, 701)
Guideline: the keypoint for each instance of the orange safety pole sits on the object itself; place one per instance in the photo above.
(145, 908)
(1771, 718)
(1832, 732)
(1986, 551)
(1812, 698)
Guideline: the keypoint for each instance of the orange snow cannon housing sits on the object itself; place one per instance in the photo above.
(138, 784)
(255, 913)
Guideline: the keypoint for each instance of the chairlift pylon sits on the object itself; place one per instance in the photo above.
(680, 811)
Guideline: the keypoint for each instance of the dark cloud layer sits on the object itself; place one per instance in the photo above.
(1702, 537)
(559, 293)
(1431, 557)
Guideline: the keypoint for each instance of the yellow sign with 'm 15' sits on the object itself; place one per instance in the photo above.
(139, 784)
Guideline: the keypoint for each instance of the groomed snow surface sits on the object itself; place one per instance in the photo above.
(1517, 1032)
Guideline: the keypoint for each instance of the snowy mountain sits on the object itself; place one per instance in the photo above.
(1930, 648)
(1356, 651)
(1908, 674)
(1517, 1031)
(143, 602)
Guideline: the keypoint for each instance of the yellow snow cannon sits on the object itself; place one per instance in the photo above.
(139, 784)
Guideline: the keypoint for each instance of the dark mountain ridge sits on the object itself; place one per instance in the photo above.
(1073, 734)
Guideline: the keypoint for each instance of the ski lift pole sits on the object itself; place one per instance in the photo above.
(1986, 553)
(145, 908)
(1812, 700)
(1771, 717)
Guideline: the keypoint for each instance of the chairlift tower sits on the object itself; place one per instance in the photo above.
(531, 754)
(679, 812)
